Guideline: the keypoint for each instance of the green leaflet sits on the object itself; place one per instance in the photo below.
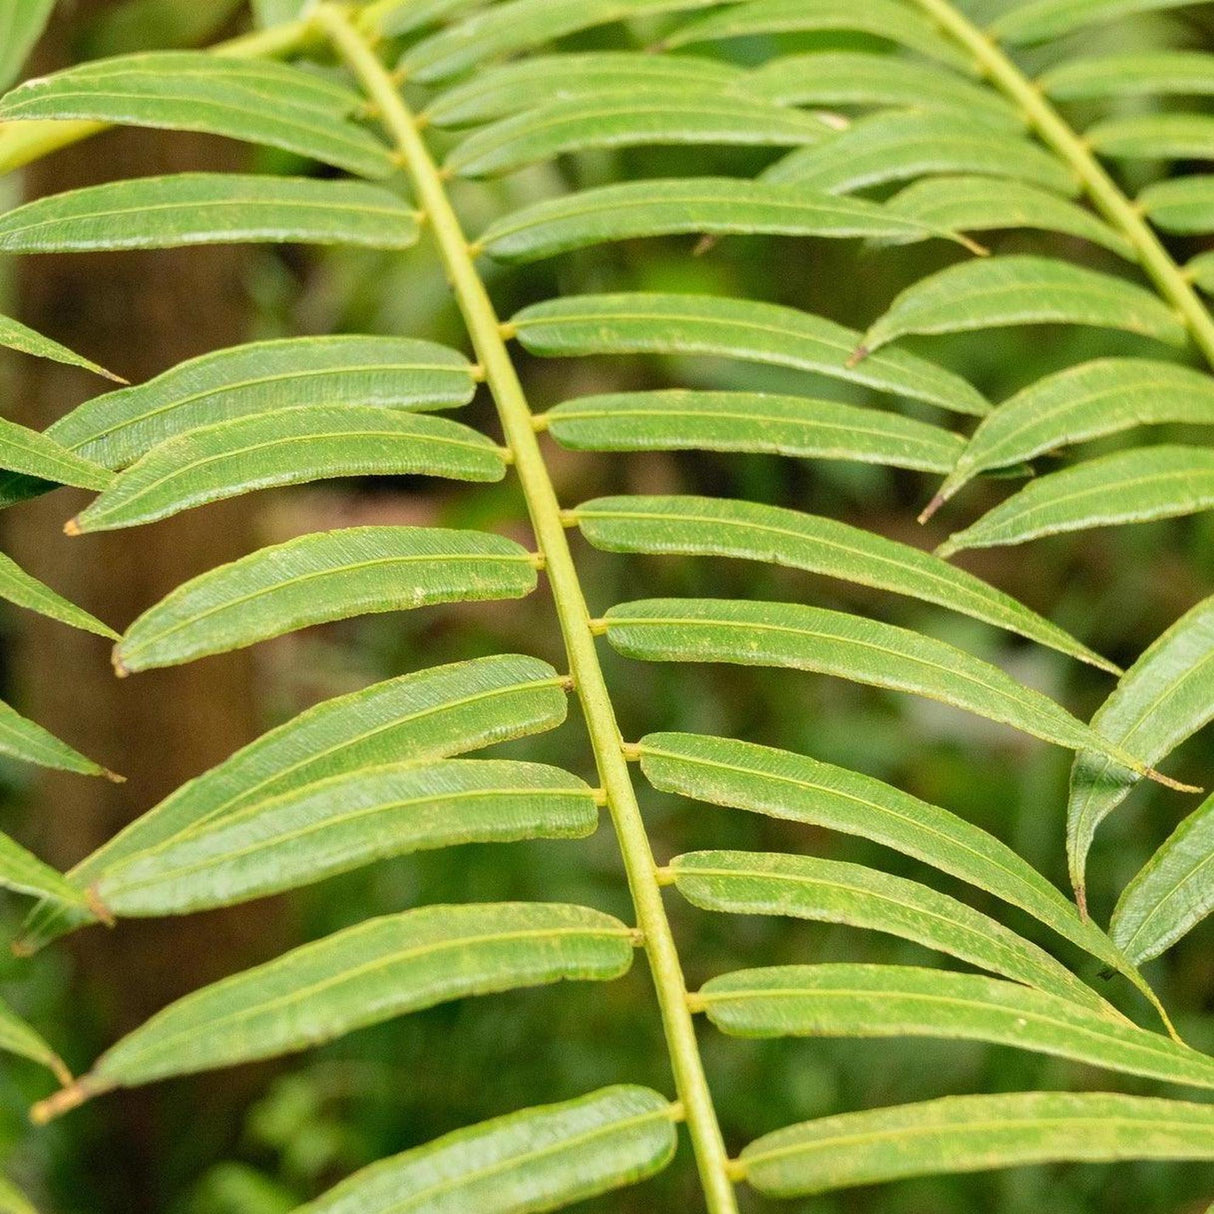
(861, 78)
(328, 576)
(991, 292)
(638, 322)
(288, 447)
(752, 633)
(1165, 697)
(16, 1037)
(390, 17)
(21, 24)
(541, 1158)
(975, 1134)
(805, 887)
(16, 336)
(676, 419)
(796, 788)
(903, 145)
(625, 119)
(1152, 73)
(391, 372)
(1200, 270)
(210, 208)
(151, 24)
(17, 586)
(1172, 892)
(363, 975)
(752, 531)
(335, 825)
(21, 738)
(1041, 20)
(905, 1001)
(1183, 205)
(31, 453)
(879, 18)
(23, 871)
(498, 92)
(517, 25)
(1085, 401)
(979, 204)
(709, 205)
(1155, 137)
(12, 1200)
(1134, 486)
(256, 100)
(433, 714)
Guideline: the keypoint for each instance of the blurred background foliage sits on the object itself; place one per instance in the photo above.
(262, 1139)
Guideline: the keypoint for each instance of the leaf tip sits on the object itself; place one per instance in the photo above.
(121, 669)
(72, 527)
(926, 513)
(857, 356)
(69, 1097)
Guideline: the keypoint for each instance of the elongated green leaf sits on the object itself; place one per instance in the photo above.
(731, 328)
(1150, 72)
(21, 738)
(980, 204)
(753, 633)
(16, 1037)
(209, 208)
(1200, 270)
(881, 18)
(542, 1158)
(364, 975)
(31, 453)
(625, 119)
(1155, 137)
(805, 887)
(21, 25)
(1184, 204)
(146, 25)
(1132, 486)
(1165, 697)
(1040, 20)
(705, 526)
(344, 822)
(23, 871)
(861, 78)
(403, 16)
(392, 372)
(905, 1001)
(1172, 892)
(288, 447)
(328, 576)
(17, 586)
(975, 1134)
(675, 419)
(991, 292)
(796, 788)
(710, 205)
(419, 718)
(517, 25)
(256, 100)
(16, 336)
(1104, 396)
(900, 146)
(12, 1200)
(498, 92)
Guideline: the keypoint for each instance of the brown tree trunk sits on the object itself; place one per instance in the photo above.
(137, 314)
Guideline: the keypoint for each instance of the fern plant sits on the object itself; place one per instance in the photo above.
(933, 105)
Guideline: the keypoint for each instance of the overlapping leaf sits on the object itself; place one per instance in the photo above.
(327, 576)
(288, 447)
(675, 419)
(805, 887)
(1040, 20)
(538, 1159)
(1151, 72)
(752, 531)
(974, 1134)
(209, 208)
(731, 328)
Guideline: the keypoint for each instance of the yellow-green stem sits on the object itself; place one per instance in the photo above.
(1107, 197)
(1105, 194)
(545, 511)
